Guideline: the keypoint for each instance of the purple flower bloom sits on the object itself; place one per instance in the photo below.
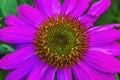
(57, 41)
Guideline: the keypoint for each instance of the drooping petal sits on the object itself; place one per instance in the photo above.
(102, 62)
(22, 71)
(99, 7)
(64, 74)
(80, 7)
(17, 34)
(111, 49)
(48, 7)
(50, 74)
(81, 72)
(10, 60)
(68, 6)
(104, 34)
(38, 73)
(30, 15)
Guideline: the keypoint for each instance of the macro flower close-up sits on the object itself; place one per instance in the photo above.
(58, 41)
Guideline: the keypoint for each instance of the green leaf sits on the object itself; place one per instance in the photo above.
(25, 1)
(6, 48)
(103, 19)
(112, 15)
(118, 40)
(61, 1)
(2, 23)
(21, 2)
(118, 57)
(117, 76)
(3, 74)
(8, 7)
(30, 2)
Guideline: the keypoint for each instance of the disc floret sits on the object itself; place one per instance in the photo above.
(61, 41)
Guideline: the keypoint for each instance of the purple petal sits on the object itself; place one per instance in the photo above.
(68, 6)
(18, 46)
(99, 7)
(32, 60)
(111, 49)
(30, 15)
(9, 61)
(88, 20)
(64, 74)
(94, 12)
(104, 34)
(80, 7)
(12, 20)
(67, 73)
(93, 74)
(102, 62)
(103, 76)
(48, 7)
(60, 74)
(81, 73)
(22, 72)
(96, 75)
(50, 74)
(17, 34)
(38, 73)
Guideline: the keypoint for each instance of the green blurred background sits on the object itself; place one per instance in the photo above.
(112, 15)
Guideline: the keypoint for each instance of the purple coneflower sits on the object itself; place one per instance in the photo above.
(59, 42)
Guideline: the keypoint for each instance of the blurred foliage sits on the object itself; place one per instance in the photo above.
(117, 76)
(61, 1)
(24, 1)
(112, 15)
(6, 48)
(3, 74)
(8, 7)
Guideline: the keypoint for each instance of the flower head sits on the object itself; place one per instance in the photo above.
(58, 41)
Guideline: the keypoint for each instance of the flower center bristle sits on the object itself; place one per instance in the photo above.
(61, 41)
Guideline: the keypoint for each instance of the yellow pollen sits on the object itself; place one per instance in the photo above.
(61, 41)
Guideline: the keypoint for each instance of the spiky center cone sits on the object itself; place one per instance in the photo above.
(61, 41)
